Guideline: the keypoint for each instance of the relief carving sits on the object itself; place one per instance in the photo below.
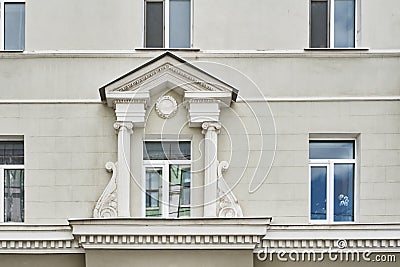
(228, 204)
(107, 204)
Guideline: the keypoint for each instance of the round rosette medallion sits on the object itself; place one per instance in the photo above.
(166, 107)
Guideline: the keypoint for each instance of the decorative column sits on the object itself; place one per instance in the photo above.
(211, 131)
(124, 173)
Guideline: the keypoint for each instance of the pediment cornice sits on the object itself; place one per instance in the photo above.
(199, 85)
(164, 73)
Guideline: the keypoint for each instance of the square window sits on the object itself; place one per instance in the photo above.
(167, 23)
(333, 23)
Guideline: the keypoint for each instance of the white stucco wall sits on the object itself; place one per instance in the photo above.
(221, 25)
(67, 145)
(83, 25)
(311, 74)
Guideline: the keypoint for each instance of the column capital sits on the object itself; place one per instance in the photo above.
(211, 126)
(120, 125)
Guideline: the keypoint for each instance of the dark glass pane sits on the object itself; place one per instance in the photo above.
(319, 24)
(179, 189)
(154, 199)
(331, 149)
(343, 192)
(14, 26)
(318, 193)
(184, 212)
(153, 191)
(186, 196)
(153, 212)
(13, 195)
(344, 23)
(171, 150)
(154, 24)
(179, 23)
(12, 152)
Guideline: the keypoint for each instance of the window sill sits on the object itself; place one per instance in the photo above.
(331, 223)
(167, 49)
(356, 49)
(11, 51)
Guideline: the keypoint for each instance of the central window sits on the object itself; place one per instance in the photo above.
(332, 172)
(167, 173)
(333, 23)
(167, 23)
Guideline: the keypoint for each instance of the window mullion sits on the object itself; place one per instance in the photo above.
(166, 23)
(332, 23)
(165, 191)
(331, 191)
(356, 10)
(1, 194)
(2, 29)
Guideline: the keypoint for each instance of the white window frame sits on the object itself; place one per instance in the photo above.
(166, 25)
(164, 164)
(329, 164)
(331, 24)
(2, 170)
(2, 22)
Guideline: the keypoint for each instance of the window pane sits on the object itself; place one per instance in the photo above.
(319, 24)
(166, 150)
(179, 23)
(331, 149)
(344, 23)
(12, 152)
(318, 193)
(13, 195)
(153, 191)
(154, 24)
(343, 192)
(179, 190)
(14, 26)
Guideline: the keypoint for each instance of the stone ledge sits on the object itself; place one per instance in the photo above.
(360, 237)
(193, 233)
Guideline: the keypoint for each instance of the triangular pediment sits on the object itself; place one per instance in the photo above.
(167, 72)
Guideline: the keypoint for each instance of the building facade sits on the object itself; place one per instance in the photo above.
(209, 133)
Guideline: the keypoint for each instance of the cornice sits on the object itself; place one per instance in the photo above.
(35, 239)
(206, 100)
(138, 81)
(360, 237)
(193, 54)
(168, 68)
(238, 233)
(196, 233)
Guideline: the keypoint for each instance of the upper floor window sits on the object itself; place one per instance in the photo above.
(332, 171)
(13, 25)
(167, 173)
(167, 23)
(12, 180)
(333, 23)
